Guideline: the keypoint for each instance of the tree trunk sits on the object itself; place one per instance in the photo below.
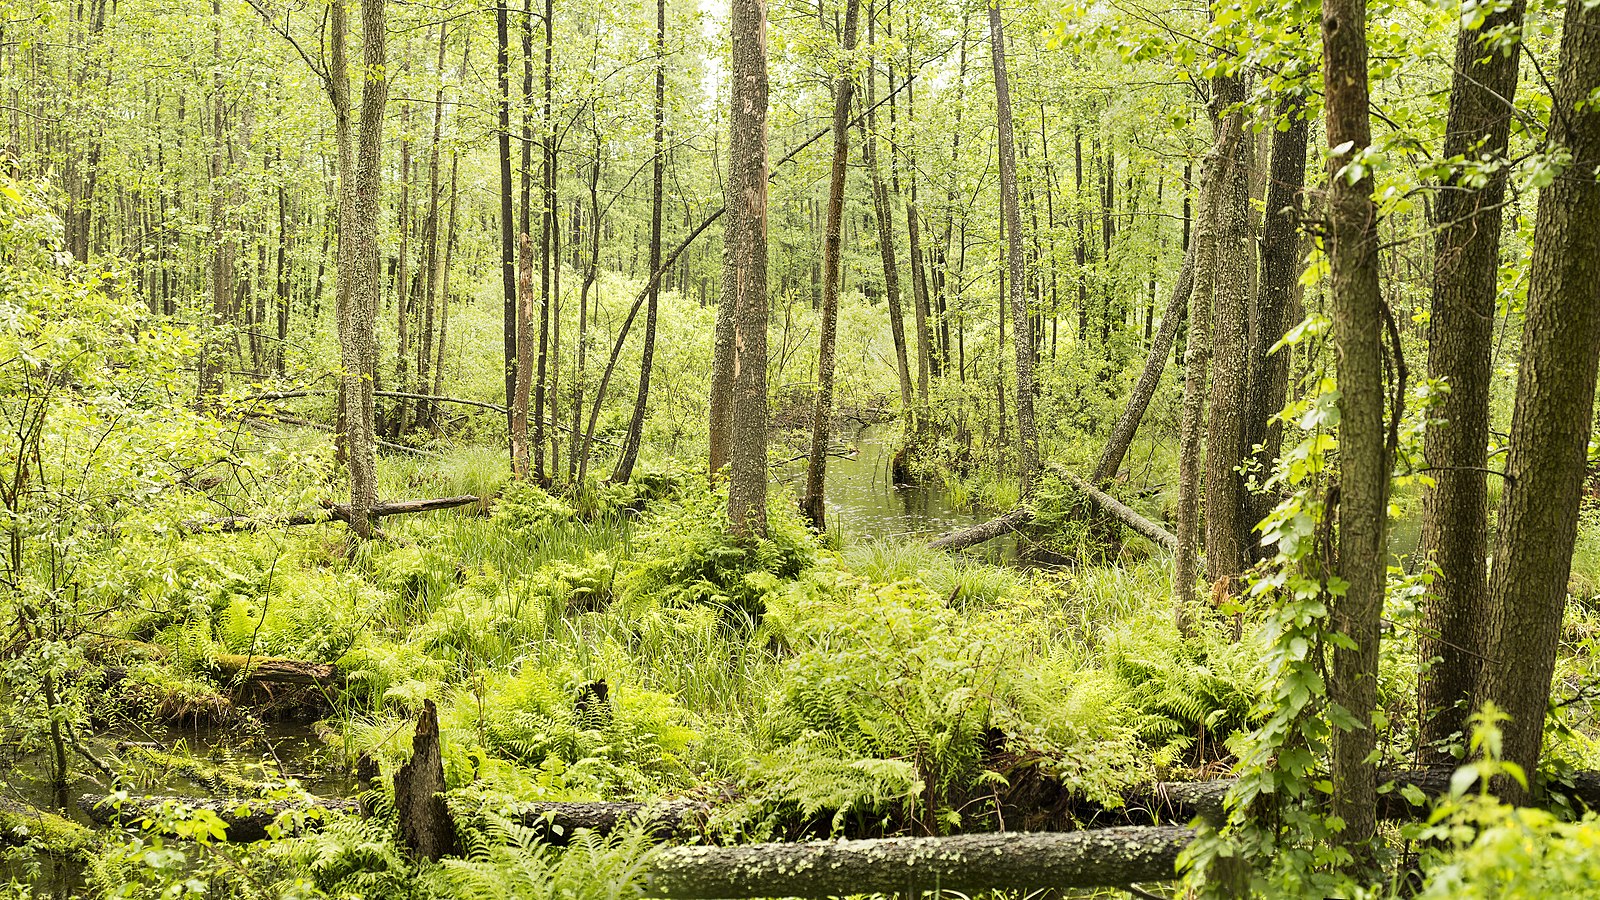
(1280, 264)
(745, 254)
(1196, 360)
(1226, 534)
(431, 267)
(402, 281)
(813, 504)
(1145, 388)
(630, 445)
(882, 210)
(525, 370)
(1364, 453)
(1027, 436)
(444, 279)
(425, 824)
(1550, 427)
(1460, 334)
(212, 346)
(358, 347)
(547, 225)
(508, 234)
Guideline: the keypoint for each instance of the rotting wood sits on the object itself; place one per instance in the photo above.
(425, 824)
(246, 819)
(965, 863)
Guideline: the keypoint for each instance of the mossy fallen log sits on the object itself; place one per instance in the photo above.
(22, 824)
(965, 863)
(244, 819)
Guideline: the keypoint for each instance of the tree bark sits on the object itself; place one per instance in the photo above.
(1227, 535)
(966, 863)
(1280, 264)
(1364, 453)
(425, 824)
(402, 279)
(814, 504)
(883, 211)
(525, 370)
(745, 255)
(508, 234)
(986, 531)
(358, 346)
(1196, 359)
(1550, 426)
(1460, 334)
(1027, 433)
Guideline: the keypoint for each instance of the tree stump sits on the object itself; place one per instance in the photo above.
(425, 824)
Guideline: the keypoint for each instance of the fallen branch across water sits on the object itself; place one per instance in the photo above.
(988, 531)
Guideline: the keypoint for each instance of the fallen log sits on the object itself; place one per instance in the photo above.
(327, 513)
(556, 823)
(965, 863)
(24, 824)
(235, 668)
(1123, 513)
(240, 667)
(245, 819)
(988, 531)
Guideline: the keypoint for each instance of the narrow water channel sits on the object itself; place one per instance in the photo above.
(863, 500)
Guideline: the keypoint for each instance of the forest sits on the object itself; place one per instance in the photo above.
(581, 450)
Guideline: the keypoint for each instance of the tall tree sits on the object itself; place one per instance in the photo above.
(813, 504)
(745, 262)
(1365, 455)
(1027, 433)
(508, 234)
(1226, 532)
(882, 209)
(525, 338)
(630, 446)
(1196, 358)
(1550, 427)
(547, 262)
(357, 341)
(1280, 265)
(1466, 269)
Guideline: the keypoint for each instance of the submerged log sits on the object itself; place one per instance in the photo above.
(245, 819)
(966, 863)
(327, 513)
(988, 531)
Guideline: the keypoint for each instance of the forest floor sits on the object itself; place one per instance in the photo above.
(632, 650)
